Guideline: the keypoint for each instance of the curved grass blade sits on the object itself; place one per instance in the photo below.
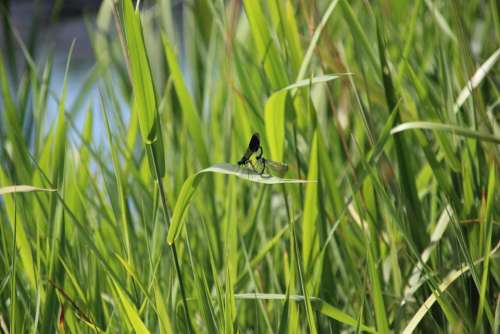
(440, 20)
(416, 280)
(449, 279)
(310, 241)
(191, 184)
(315, 80)
(476, 79)
(315, 39)
(22, 189)
(446, 127)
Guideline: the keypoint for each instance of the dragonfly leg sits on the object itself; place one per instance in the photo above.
(263, 165)
(260, 154)
(253, 166)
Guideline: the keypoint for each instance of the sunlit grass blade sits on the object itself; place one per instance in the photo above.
(476, 79)
(446, 282)
(415, 281)
(374, 177)
(22, 189)
(448, 128)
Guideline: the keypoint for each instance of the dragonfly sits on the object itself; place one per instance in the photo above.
(253, 147)
(264, 164)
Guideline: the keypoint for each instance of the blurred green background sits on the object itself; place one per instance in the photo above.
(122, 207)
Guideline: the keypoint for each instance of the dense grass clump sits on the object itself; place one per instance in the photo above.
(128, 212)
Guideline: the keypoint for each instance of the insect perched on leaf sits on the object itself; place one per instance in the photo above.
(263, 163)
(253, 147)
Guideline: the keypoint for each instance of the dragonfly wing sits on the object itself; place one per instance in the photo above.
(278, 167)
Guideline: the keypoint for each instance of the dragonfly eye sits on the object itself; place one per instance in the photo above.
(254, 142)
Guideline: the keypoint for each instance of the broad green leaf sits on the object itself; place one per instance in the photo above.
(144, 99)
(274, 114)
(191, 184)
(310, 237)
(142, 82)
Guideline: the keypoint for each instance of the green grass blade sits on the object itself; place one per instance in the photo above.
(405, 168)
(267, 52)
(488, 235)
(130, 310)
(476, 79)
(22, 189)
(310, 236)
(318, 304)
(357, 32)
(274, 115)
(121, 189)
(440, 20)
(192, 119)
(314, 40)
(457, 130)
(446, 282)
(142, 83)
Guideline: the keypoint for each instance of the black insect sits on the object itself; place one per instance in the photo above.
(254, 147)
